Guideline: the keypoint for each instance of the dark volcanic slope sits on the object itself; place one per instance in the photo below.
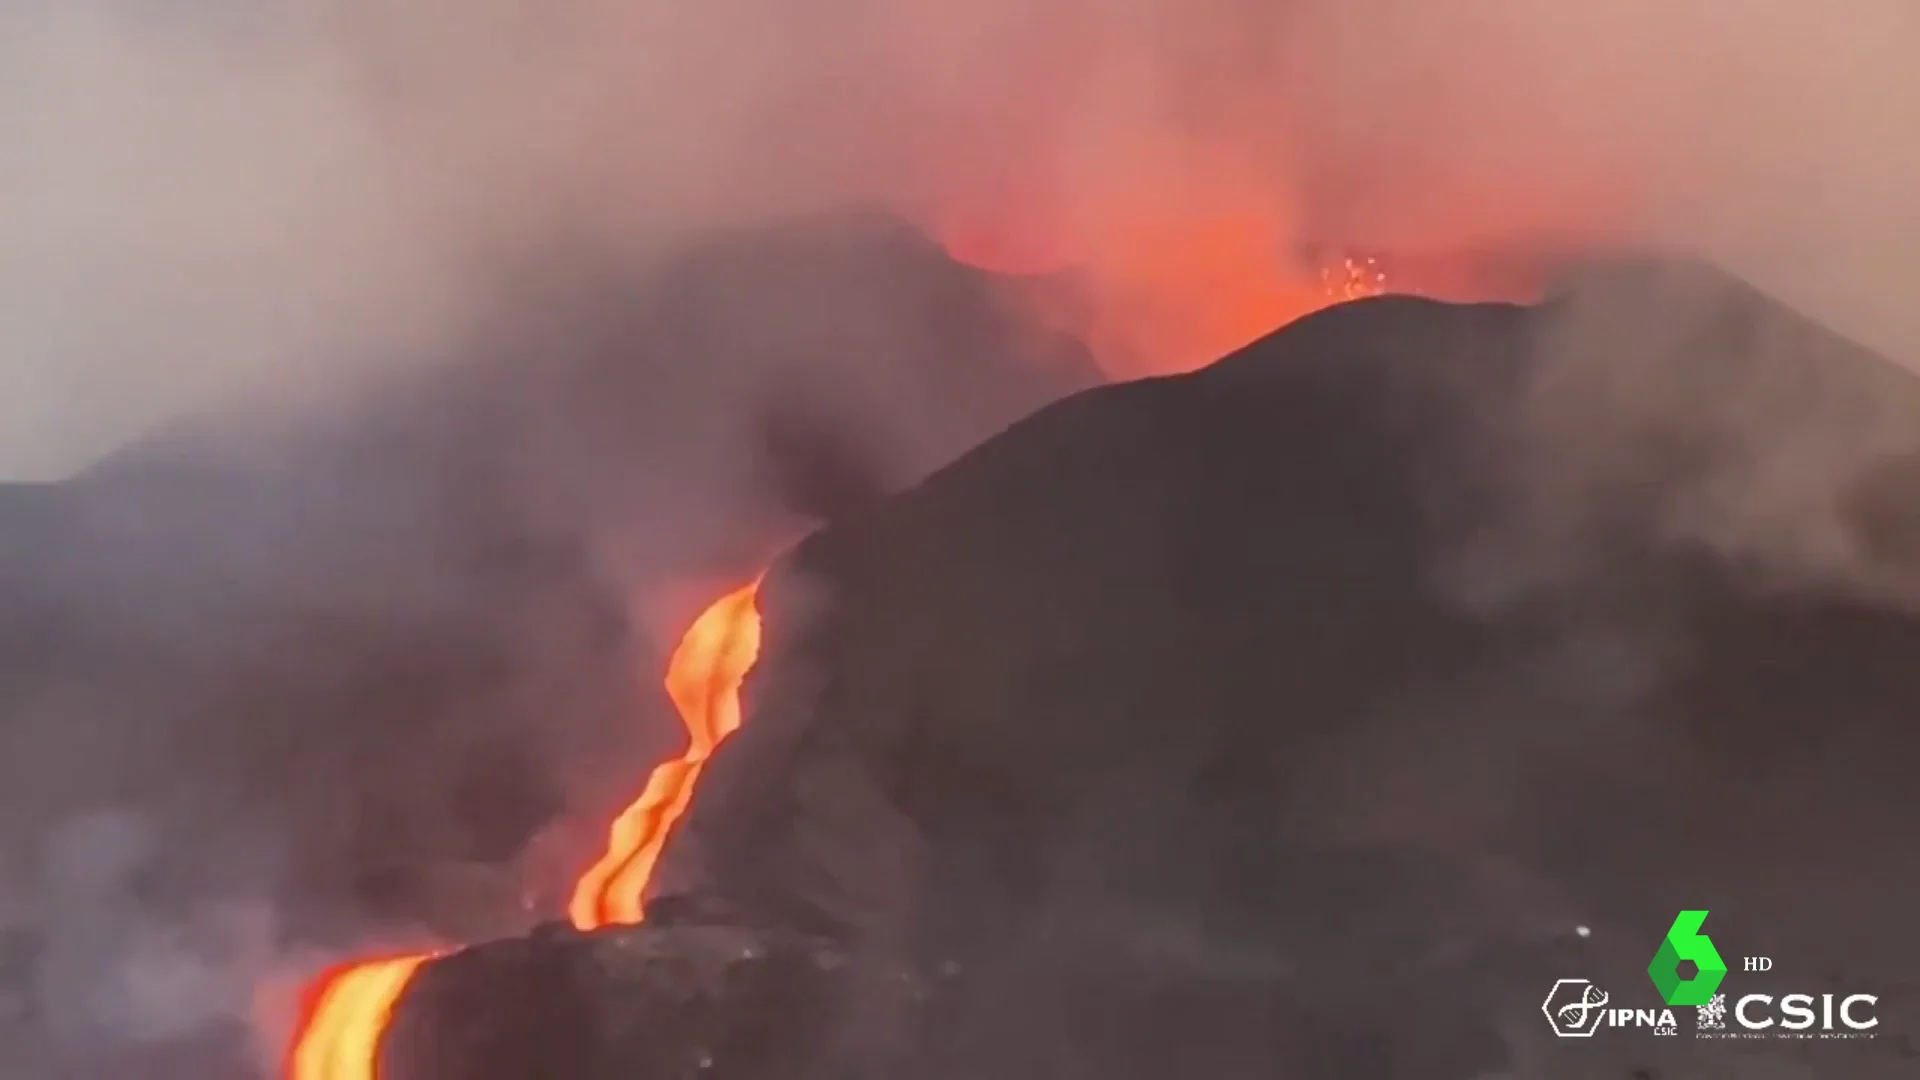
(1286, 719)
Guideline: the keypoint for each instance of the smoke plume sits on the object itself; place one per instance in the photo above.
(227, 198)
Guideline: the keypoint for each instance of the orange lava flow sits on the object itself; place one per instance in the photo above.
(345, 1017)
(704, 678)
(348, 1008)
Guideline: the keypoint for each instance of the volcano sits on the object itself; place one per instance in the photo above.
(1309, 716)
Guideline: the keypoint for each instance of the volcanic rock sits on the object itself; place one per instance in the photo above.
(1310, 715)
(679, 1001)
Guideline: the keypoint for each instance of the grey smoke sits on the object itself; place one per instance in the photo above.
(281, 199)
(106, 967)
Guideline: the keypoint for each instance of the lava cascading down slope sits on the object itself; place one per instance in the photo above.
(345, 1013)
(347, 1009)
(703, 679)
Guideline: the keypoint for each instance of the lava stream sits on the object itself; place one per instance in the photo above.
(703, 679)
(349, 1007)
(346, 1014)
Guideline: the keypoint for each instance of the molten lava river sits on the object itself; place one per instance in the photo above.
(347, 1009)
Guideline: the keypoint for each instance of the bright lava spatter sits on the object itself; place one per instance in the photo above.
(1356, 277)
(348, 1008)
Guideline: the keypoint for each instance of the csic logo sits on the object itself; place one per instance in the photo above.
(1800, 1016)
(1575, 1008)
(1712, 1016)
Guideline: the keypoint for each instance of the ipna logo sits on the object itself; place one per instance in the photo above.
(1575, 1008)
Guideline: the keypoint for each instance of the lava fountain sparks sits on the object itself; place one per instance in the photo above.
(1170, 293)
(348, 1008)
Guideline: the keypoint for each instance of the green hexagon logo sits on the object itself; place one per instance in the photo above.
(1686, 942)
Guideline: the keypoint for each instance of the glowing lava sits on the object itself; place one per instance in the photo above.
(348, 1008)
(346, 1014)
(1171, 291)
(703, 679)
